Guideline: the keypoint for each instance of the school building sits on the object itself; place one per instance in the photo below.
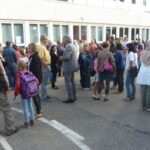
(23, 21)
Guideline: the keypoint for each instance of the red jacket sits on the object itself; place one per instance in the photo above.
(18, 84)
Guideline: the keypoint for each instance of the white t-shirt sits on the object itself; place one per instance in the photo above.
(131, 57)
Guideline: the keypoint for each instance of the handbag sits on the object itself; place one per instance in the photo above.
(133, 70)
(108, 66)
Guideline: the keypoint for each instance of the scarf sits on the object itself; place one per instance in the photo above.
(145, 55)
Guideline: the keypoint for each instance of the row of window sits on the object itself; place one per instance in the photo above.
(15, 32)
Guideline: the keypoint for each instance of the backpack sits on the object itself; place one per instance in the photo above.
(29, 85)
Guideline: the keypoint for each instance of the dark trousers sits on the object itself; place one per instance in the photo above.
(54, 78)
(120, 80)
(37, 102)
(103, 76)
(85, 78)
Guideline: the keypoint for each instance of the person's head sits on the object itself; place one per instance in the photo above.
(23, 52)
(32, 48)
(86, 48)
(92, 41)
(111, 39)
(44, 39)
(8, 44)
(15, 47)
(66, 40)
(119, 46)
(117, 40)
(131, 47)
(58, 43)
(148, 46)
(21, 65)
(105, 45)
(75, 42)
(53, 49)
(125, 39)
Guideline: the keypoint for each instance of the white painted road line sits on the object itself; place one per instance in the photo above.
(5, 144)
(61, 128)
(71, 135)
(68, 133)
(17, 110)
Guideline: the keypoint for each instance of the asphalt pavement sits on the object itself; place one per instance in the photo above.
(84, 125)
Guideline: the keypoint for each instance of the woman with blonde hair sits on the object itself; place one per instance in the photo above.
(35, 66)
(143, 78)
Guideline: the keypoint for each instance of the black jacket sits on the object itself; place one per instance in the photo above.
(54, 63)
(35, 66)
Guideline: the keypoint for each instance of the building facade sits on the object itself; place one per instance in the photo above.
(24, 21)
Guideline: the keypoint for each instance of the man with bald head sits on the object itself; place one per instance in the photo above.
(70, 65)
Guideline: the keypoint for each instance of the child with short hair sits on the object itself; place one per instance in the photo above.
(27, 105)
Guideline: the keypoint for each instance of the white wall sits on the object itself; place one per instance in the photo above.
(68, 12)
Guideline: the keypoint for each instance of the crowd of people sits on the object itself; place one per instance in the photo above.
(28, 71)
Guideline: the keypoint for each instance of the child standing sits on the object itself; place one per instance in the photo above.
(96, 79)
(85, 61)
(27, 105)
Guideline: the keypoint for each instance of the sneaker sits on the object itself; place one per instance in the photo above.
(32, 123)
(46, 100)
(25, 125)
(38, 116)
(11, 132)
(48, 97)
(86, 89)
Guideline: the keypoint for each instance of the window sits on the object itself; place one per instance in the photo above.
(143, 34)
(121, 0)
(144, 2)
(99, 33)
(93, 32)
(18, 33)
(108, 33)
(120, 32)
(6, 32)
(65, 30)
(76, 32)
(114, 32)
(147, 34)
(83, 32)
(43, 29)
(133, 1)
(137, 33)
(126, 32)
(34, 33)
(56, 32)
(132, 34)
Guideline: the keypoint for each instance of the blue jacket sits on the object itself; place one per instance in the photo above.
(119, 60)
(10, 56)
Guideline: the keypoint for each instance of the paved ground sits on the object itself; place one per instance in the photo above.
(112, 125)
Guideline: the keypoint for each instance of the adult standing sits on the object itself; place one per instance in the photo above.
(35, 66)
(70, 64)
(131, 61)
(107, 69)
(120, 65)
(46, 60)
(10, 61)
(143, 78)
(4, 102)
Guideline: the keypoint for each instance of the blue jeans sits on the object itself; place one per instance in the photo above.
(28, 110)
(45, 76)
(130, 86)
